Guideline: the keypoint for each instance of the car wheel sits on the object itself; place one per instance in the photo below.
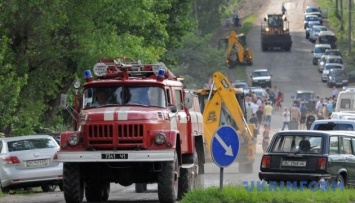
(341, 179)
(4, 190)
(48, 187)
(73, 183)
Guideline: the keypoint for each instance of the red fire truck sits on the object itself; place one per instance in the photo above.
(134, 124)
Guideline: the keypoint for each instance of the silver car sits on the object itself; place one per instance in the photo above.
(313, 35)
(30, 161)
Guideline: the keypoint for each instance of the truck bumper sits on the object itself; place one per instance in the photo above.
(117, 156)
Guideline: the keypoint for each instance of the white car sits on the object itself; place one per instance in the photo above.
(30, 161)
(261, 78)
(325, 59)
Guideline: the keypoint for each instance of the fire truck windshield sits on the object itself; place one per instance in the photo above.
(124, 96)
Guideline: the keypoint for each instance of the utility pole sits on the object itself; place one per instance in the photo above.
(349, 30)
(341, 16)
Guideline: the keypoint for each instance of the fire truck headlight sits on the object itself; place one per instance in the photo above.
(73, 140)
(159, 138)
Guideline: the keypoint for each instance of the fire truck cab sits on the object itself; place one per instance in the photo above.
(134, 123)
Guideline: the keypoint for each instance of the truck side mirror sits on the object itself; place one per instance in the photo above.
(188, 100)
(172, 108)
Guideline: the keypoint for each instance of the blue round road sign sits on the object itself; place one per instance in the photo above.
(225, 146)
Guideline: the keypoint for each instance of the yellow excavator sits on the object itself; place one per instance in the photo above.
(222, 104)
(237, 51)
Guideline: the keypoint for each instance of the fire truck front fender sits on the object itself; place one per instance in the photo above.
(172, 138)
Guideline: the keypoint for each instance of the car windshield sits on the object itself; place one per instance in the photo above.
(30, 144)
(260, 73)
(335, 53)
(335, 60)
(320, 49)
(240, 85)
(333, 126)
(297, 144)
(328, 67)
(336, 73)
(328, 38)
(312, 18)
(305, 96)
(124, 95)
(312, 9)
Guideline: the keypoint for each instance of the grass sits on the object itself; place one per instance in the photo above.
(248, 23)
(231, 194)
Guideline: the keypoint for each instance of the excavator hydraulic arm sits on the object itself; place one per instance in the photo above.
(222, 108)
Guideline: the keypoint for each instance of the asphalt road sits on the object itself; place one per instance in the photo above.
(291, 71)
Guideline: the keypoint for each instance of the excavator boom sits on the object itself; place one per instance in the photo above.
(223, 108)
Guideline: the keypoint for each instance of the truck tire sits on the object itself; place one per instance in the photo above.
(141, 187)
(96, 190)
(48, 187)
(73, 183)
(189, 178)
(168, 181)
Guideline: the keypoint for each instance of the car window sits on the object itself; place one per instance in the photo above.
(305, 96)
(333, 126)
(346, 146)
(296, 143)
(260, 73)
(320, 49)
(332, 67)
(30, 144)
(333, 145)
(1, 146)
(335, 60)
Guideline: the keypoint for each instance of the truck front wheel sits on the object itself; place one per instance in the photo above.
(97, 191)
(168, 181)
(189, 177)
(73, 184)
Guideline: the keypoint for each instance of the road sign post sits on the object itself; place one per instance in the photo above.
(224, 148)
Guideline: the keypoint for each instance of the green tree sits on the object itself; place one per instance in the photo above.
(51, 43)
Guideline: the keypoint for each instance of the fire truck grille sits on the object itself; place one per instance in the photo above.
(125, 134)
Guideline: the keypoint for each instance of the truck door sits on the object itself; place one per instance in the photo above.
(181, 119)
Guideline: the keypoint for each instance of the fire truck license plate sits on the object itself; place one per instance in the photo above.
(114, 156)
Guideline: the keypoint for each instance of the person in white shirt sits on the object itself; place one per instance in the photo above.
(286, 118)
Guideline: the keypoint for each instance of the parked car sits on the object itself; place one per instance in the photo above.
(325, 59)
(240, 84)
(333, 52)
(30, 161)
(319, 15)
(310, 155)
(310, 27)
(309, 18)
(258, 91)
(340, 115)
(337, 78)
(328, 67)
(307, 97)
(311, 9)
(327, 37)
(314, 32)
(318, 51)
(261, 77)
(334, 124)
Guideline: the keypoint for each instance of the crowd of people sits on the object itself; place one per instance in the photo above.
(297, 117)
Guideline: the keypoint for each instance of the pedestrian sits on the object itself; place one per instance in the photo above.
(249, 110)
(283, 10)
(267, 113)
(266, 137)
(334, 92)
(235, 18)
(295, 115)
(259, 115)
(286, 118)
(309, 120)
(254, 120)
(278, 101)
(303, 111)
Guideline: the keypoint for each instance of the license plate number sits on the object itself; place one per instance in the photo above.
(114, 156)
(294, 163)
(41, 162)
